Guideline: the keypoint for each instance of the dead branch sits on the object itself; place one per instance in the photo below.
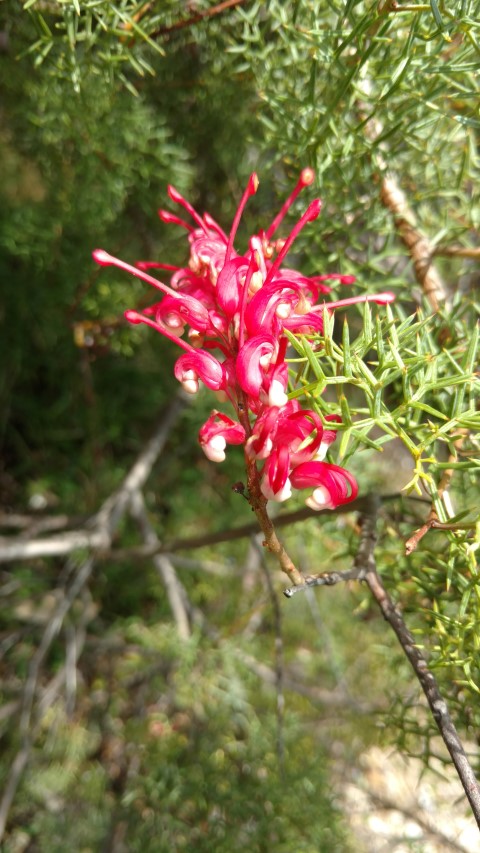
(364, 568)
(325, 579)
(175, 590)
(98, 534)
(106, 522)
(32, 525)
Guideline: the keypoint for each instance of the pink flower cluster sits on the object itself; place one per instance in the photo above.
(236, 309)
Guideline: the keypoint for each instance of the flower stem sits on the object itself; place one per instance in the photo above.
(258, 502)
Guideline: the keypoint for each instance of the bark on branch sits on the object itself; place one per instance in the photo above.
(438, 706)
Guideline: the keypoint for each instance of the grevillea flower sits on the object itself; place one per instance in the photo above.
(229, 313)
(332, 485)
(218, 431)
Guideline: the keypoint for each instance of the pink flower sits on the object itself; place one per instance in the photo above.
(241, 306)
(196, 365)
(218, 431)
(252, 362)
(276, 485)
(333, 485)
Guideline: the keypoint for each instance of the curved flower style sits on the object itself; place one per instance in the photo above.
(218, 431)
(332, 485)
(241, 306)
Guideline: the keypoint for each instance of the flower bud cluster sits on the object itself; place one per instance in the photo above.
(229, 313)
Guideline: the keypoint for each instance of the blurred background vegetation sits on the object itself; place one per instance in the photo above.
(165, 743)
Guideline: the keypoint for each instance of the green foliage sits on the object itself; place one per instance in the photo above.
(197, 768)
(414, 379)
(102, 107)
(412, 386)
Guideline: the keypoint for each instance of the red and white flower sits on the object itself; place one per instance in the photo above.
(241, 305)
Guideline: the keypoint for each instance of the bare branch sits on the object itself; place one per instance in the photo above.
(54, 546)
(325, 579)
(420, 249)
(15, 548)
(176, 593)
(34, 524)
(101, 527)
(364, 568)
(393, 616)
(419, 246)
(105, 521)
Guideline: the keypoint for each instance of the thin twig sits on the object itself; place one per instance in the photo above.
(365, 559)
(35, 524)
(457, 251)
(325, 579)
(175, 590)
(435, 524)
(442, 494)
(15, 548)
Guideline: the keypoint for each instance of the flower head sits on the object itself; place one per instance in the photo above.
(240, 306)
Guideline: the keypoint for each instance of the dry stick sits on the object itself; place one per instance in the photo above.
(16, 549)
(104, 523)
(55, 546)
(175, 590)
(420, 249)
(106, 520)
(324, 579)
(365, 563)
(35, 524)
